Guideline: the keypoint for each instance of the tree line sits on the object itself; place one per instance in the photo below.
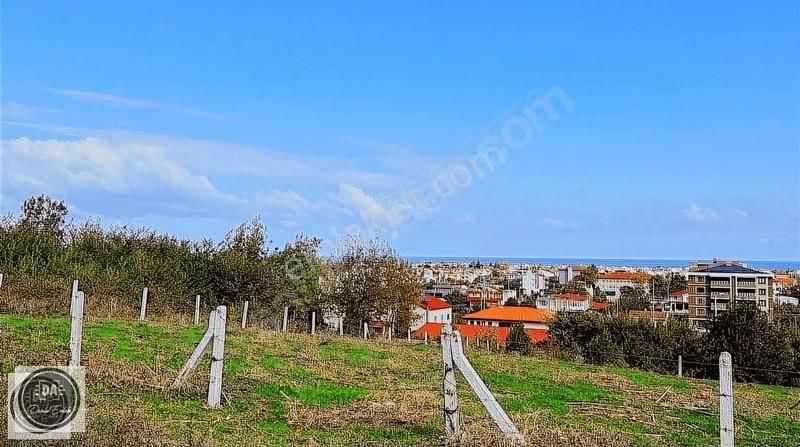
(41, 252)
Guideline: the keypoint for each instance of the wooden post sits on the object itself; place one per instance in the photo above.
(313, 322)
(285, 318)
(366, 330)
(197, 310)
(190, 364)
(143, 308)
(680, 366)
(484, 395)
(726, 433)
(244, 314)
(76, 329)
(452, 428)
(217, 356)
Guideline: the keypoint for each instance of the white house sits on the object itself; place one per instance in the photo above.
(611, 283)
(568, 302)
(534, 282)
(431, 310)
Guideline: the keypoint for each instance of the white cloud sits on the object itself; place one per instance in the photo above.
(372, 211)
(15, 111)
(698, 214)
(98, 168)
(553, 222)
(284, 200)
(122, 101)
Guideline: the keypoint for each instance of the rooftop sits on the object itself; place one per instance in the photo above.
(730, 268)
(511, 313)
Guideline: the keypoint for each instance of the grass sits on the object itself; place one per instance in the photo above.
(286, 390)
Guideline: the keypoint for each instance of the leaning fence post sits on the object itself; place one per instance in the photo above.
(680, 366)
(76, 329)
(143, 308)
(217, 356)
(244, 314)
(313, 322)
(285, 318)
(191, 363)
(197, 309)
(726, 433)
(451, 418)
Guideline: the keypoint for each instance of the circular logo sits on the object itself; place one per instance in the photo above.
(46, 400)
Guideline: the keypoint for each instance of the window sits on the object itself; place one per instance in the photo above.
(701, 301)
(762, 303)
(701, 290)
(762, 292)
(762, 280)
(701, 311)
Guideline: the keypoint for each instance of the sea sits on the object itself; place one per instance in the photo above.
(608, 262)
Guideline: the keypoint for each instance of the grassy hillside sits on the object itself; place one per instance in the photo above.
(300, 390)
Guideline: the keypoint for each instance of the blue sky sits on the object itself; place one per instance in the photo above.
(676, 135)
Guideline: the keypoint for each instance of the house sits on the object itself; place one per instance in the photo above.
(505, 316)
(612, 283)
(534, 282)
(483, 297)
(431, 309)
(476, 333)
(567, 302)
(780, 283)
(677, 303)
(507, 295)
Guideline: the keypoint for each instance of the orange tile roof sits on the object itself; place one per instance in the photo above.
(511, 313)
(626, 276)
(433, 303)
(785, 280)
(679, 292)
(474, 332)
(599, 305)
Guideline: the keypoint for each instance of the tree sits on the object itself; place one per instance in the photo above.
(631, 298)
(43, 215)
(367, 280)
(512, 302)
(518, 340)
(666, 284)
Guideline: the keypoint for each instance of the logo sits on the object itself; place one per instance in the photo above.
(45, 402)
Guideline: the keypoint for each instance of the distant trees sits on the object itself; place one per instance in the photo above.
(367, 280)
(762, 351)
(518, 340)
(663, 285)
(631, 298)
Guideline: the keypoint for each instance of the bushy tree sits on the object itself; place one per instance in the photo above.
(518, 340)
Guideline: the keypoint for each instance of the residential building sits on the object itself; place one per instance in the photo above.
(483, 297)
(781, 283)
(612, 283)
(566, 302)
(506, 316)
(717, 287)
(534, 282)
(431, 309)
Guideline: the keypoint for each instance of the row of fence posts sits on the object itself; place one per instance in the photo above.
(452, 354)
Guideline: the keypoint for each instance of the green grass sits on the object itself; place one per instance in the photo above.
(298, 390)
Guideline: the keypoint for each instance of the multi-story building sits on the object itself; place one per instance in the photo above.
(566, 302)
(717, 287)
(612, 283)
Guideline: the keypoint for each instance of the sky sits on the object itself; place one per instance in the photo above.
(512, 129)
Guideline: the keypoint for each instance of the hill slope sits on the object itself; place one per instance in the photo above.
(299, 390)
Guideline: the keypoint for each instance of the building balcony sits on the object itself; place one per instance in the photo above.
(721, 295)
(719, 306)
(745, 295)
(721, 283)
(746, 283)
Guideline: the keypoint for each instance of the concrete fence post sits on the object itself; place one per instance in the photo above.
(726, 429)
(285, 318)
(313, 322)
(680, 366)
(341, 327)
(451, 417)
(244, 314)
(76, 326)
(1, 280)
(217, 357)
(196, 320)
(143, 307)
(426, 337)
(366, 330)
(409, 335)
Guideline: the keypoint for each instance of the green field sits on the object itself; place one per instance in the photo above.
(299, 390)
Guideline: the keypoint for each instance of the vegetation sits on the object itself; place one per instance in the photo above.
(518, 340)
(288, 389)
(763, 351)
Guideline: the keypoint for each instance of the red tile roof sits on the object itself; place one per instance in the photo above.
(599, 305)
(433, 303)
(784, 279)
(474, 332)
(511, 313)
(679, 293)
(571, 297)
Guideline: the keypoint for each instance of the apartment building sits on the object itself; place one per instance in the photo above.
(718, 286)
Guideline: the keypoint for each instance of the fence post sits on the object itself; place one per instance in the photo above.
(143, 308)
(1, 280)
(426, 337)
(409, 335)
(313, 322)
(341, 327)
(726, 433)
(680, 366)
(285, 318)
(217, 356)
(244, 314)
(197, 310)
(76, 329)
(366, 330)
(390, 333)
(191, 363)
(451, 417)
